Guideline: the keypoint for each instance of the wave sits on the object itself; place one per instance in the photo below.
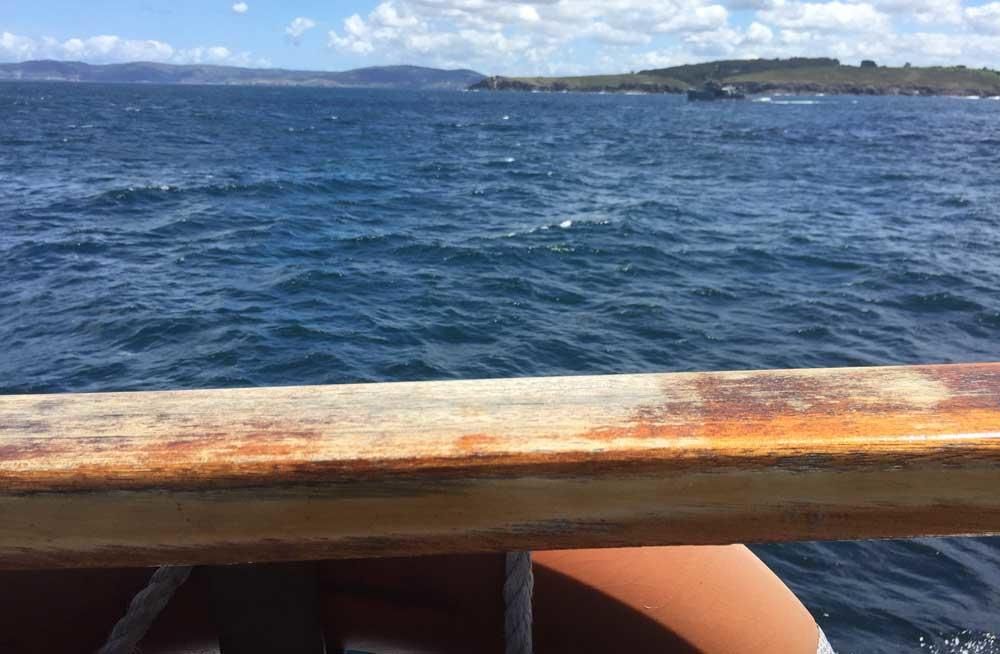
(564, 224)
(936, 303)
(159, 192)
(768, 100)
(505, 161)
(967, 641)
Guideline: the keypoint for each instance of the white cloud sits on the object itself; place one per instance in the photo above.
(758, 33)
(586, 36)
(502, 33)
(729, 42)
(571, 36)
(107, 48)
(211, 55)
(972, 42)
(299, 26)
(924, 11)
(607, 34)
(832, 16)
(574, 36)
(17, 48)
(694, 19)
(103, 48)
(984, 18)
(751, 4)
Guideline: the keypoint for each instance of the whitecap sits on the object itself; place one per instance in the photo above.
(566, 224)
(964, 642)
(764, 99)
(506, 117)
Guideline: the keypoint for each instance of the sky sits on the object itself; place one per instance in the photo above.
(499, 36)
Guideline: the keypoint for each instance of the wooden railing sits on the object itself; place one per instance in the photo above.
(217, 476)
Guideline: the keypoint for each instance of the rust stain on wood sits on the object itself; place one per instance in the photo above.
(493, 464)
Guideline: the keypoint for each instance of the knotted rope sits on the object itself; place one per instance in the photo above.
(144, 608)
(517, 589)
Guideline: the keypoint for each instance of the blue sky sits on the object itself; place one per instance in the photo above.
(500, 36)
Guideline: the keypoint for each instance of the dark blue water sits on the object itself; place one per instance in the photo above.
(165, 237)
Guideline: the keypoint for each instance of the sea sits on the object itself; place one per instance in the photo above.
(156, 237)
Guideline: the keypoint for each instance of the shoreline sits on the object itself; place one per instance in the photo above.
(751, 89)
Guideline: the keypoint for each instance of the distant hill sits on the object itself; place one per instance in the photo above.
(796, 75)
(396, 77)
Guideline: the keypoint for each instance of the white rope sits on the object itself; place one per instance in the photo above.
(144, 608)
(517, 589)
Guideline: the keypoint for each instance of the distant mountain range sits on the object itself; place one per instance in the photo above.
(795, 75)
(394, 77)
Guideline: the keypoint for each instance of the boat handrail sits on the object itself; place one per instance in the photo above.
(386, 469)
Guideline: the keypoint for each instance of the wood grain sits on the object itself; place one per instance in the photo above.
(267, 474)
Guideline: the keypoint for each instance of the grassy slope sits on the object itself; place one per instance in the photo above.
(804, 74)
(942, 79)
(696, 74)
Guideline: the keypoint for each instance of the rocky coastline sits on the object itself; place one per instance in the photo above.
(500, 83)
(758, 77)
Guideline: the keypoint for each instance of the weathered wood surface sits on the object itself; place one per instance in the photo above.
(240, 475)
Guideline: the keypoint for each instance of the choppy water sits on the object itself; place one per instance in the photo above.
(166, 237)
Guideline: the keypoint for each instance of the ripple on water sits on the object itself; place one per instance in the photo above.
(240, 236)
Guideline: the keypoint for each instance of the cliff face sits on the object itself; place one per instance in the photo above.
(498, 83)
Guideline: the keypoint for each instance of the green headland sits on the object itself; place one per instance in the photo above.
(799, 75)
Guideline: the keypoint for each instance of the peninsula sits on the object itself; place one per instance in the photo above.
(395, 77)
(800, 75)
